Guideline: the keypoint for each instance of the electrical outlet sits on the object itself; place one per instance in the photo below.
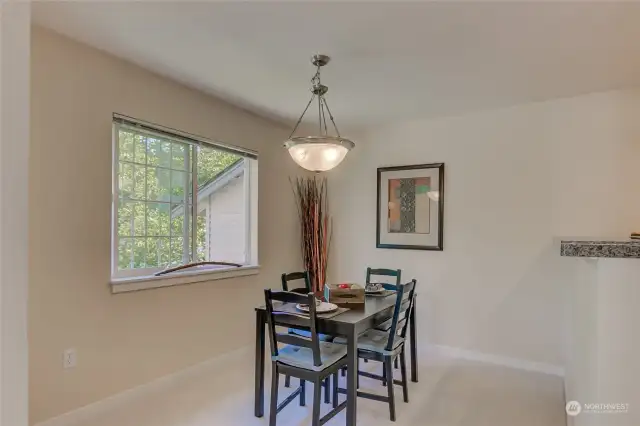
(69, 358)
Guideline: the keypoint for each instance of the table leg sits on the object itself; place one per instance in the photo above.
(414, 342)
(259, 364)
(352, 377)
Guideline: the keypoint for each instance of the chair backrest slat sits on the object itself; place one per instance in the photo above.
(401, 324)
(386, 326)
(272, 312)
(405, 304)
(288, 297)
(405, 295)
(296, 276)
(292, 339)
(394, 273)
(387, 286)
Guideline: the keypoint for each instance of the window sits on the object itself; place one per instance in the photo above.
(179, 199)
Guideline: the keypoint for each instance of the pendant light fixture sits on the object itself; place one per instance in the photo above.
(323, 151)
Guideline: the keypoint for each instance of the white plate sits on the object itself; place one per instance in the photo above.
(322, 308)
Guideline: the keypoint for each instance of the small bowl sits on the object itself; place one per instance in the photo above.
(318, 303)
(370, 287)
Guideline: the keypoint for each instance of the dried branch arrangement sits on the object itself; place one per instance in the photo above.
(315, 226)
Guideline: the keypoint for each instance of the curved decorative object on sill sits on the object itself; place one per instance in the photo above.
(194, 265)
(321, 152)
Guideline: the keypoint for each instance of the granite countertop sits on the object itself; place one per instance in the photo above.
(628, 249)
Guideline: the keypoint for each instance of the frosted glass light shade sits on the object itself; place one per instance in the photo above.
(318, 153)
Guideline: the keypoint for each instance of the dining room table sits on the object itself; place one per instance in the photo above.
(349, 324)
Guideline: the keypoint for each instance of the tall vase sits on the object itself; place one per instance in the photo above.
(315, 226)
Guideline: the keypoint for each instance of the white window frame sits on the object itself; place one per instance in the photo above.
(142, 278)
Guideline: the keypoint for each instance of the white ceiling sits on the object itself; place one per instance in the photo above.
(390, 60)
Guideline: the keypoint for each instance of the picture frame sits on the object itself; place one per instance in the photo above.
(410, 207)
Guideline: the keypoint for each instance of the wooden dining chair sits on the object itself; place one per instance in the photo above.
(307, 359)
(304, 276)
(383, 272)
(387, 346)
(306, 289)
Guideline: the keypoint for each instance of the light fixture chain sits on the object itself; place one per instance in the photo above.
(324, 118)
(303, 113)
(331, 116)
(315, 80)
(320, 113)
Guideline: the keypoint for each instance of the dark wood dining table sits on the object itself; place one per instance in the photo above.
(349, 324)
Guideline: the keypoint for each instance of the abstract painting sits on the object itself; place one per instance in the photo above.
(411, 207)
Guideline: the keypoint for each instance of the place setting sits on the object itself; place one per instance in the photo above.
(377, 290)
(324, 309)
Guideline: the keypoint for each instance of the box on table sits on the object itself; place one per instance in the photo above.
(351, 297)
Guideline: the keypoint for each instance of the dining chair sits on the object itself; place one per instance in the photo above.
(309, 359)
(394, 273)
(387, 346)
(383, 272)
(305, 277)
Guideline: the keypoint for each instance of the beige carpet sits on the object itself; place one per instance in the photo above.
(450, 393)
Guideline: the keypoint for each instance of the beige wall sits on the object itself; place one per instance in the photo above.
(515, 179)
(15, 25)
(128, 339)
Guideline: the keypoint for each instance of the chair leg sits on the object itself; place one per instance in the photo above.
(403, 371)
(335, 389)
(303, 393)
(384, 375)
(317, 394)
(395, 363)
(327, 391)
(344, 371)
(392, 402)
(287, 381)
(358, 376)
(274, 396)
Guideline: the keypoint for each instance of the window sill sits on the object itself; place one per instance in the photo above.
(124, 285)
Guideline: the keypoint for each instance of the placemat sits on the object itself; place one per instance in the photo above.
(381, 294)
(291, 307)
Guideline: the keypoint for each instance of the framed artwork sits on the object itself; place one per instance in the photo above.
(411, 207)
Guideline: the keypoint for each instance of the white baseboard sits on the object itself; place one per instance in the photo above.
(516, 363)
(111, 403)
(95, 409)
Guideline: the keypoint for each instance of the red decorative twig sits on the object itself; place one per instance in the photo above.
(315, 226)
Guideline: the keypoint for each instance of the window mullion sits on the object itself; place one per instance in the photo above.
(146, 199)
(171, 211)
(185, 217)
(194, 203)
(132, 261)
